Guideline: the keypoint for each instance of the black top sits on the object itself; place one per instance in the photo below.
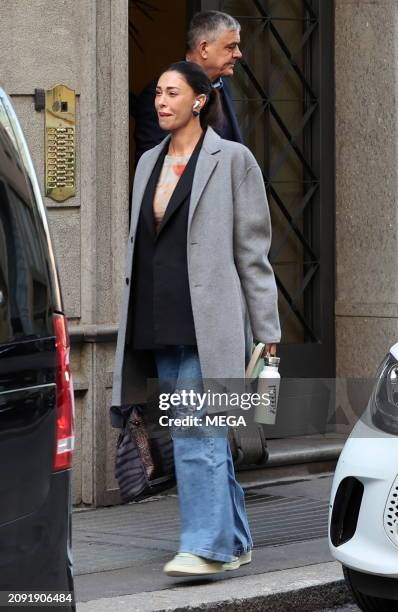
(161, 310)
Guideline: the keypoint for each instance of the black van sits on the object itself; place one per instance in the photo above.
(36, 393)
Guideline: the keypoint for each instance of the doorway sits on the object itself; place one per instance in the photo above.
(157, 31)
(283, 94)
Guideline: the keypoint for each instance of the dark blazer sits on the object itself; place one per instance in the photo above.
(147, 132)
(161, 302)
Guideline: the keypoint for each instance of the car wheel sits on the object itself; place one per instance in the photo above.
(368, 603)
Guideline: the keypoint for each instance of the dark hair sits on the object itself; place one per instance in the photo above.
(209, 25)
(211, 114)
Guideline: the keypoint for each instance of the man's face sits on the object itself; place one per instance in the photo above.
(220, 56)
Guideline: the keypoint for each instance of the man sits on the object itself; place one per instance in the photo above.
(213, 43)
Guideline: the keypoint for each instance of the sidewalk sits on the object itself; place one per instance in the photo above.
(119, 553)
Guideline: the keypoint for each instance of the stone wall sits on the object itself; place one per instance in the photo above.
(84, 45)
(366, 183)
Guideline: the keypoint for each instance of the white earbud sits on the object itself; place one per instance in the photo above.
(197, 103)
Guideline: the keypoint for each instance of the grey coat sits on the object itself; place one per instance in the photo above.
(228, 239)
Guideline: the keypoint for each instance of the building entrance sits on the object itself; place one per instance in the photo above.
(283, 93)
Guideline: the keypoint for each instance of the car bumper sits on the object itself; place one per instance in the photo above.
(370, 456)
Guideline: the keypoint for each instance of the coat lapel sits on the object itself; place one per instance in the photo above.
(141, 184)
(206, 164)
(180, 193)
(183, 186)
(149, 193)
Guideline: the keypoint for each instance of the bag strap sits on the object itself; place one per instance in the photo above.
(256, 355)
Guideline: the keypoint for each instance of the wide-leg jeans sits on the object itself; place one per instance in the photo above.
(213, 516)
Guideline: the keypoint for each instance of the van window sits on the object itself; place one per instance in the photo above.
(25, 294)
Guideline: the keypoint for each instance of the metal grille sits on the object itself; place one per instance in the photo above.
(123, 536)
(281, 520)
(391, 514)
(278, 106)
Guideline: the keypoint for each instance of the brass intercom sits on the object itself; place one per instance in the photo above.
(60, 146)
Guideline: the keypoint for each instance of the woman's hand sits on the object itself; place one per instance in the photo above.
(269, 349)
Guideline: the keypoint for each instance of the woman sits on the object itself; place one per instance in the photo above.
(197, 257)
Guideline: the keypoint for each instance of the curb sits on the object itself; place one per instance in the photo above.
(305, 589)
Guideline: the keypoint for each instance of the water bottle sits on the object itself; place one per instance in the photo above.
(268, 383)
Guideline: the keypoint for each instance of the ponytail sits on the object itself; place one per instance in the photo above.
(212, 113)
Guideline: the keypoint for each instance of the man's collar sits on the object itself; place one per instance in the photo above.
(218, 83)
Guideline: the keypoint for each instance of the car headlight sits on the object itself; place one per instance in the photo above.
(384, 403)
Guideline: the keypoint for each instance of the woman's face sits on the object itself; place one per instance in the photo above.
(174, 101)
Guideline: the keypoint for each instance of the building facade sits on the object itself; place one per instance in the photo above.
(317, 102)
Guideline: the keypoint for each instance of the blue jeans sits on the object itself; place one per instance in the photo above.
(214, 523)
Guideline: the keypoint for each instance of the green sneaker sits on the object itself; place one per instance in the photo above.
(187, 564)
(238, 561)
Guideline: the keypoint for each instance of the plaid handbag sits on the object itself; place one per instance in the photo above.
(144, 458)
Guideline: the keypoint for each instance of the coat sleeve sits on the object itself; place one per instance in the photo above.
(252, 241)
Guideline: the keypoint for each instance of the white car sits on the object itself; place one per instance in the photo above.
(363, 517)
